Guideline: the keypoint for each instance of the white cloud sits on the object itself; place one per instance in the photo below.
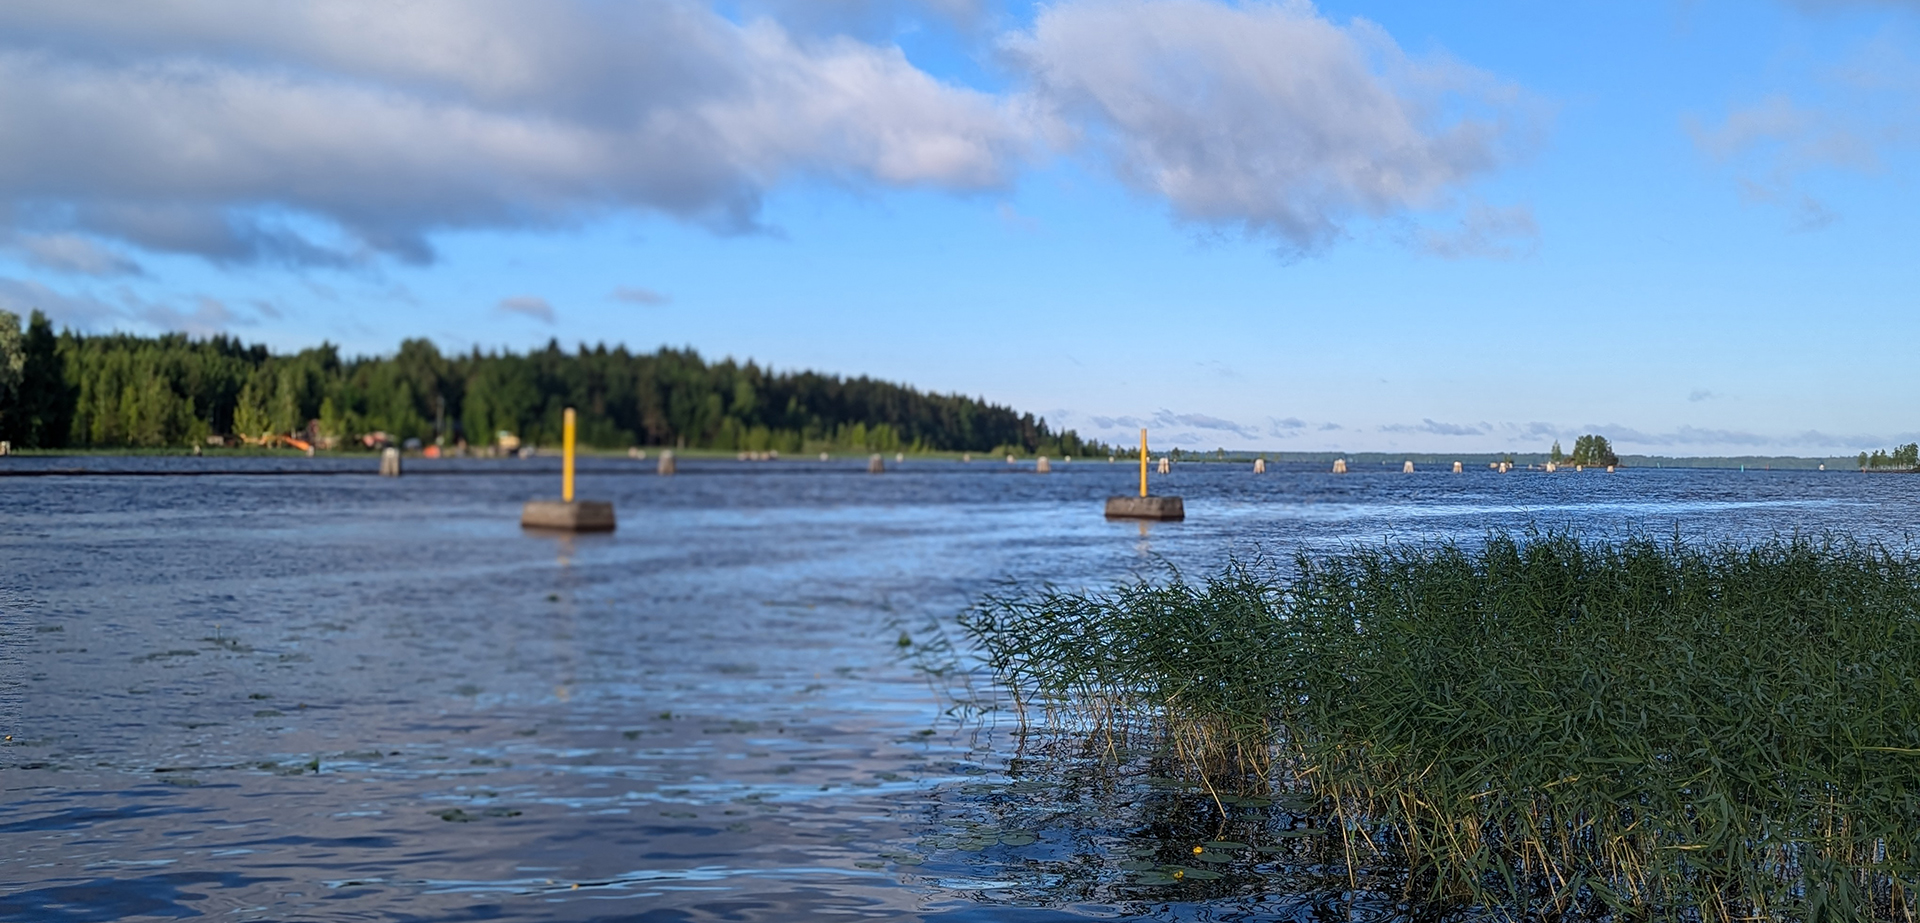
(341, 133)
(1264, 117)
(230, 130)
(527, 306)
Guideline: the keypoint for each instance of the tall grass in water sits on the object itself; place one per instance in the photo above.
(1634, 729)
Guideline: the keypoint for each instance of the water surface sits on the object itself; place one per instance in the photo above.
(284, 689)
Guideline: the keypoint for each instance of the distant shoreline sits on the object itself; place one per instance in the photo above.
(1356, 461)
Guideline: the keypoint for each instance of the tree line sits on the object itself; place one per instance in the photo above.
(1906, 456)
(119, 390)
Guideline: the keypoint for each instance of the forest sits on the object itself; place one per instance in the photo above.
(75, 390)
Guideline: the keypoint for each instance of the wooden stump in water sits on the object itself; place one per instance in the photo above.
(667, 465)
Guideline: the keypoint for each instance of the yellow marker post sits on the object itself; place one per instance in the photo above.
(566, 458)
(1143, 461)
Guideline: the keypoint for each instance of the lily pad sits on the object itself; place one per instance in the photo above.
(1193, 873)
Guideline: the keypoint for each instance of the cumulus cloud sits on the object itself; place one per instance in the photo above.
(1265, 117)
(342, 133)
(527, 306)
(233, 130)
(633, 294)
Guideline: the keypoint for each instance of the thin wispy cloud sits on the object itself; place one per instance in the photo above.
(1485, 232)
(1437, 428)
(71, 253)
(633, 294)
(527, 306)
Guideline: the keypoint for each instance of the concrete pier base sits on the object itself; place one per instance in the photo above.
(564, 516)
(1163, 508)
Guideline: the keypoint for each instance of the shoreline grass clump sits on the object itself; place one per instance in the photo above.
(1629, 729)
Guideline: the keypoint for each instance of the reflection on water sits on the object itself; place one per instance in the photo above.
(331, 695)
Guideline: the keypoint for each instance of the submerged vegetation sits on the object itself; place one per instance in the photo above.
(1538, 725)
(117, 390)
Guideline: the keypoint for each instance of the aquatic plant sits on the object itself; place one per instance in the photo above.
(1636, 728)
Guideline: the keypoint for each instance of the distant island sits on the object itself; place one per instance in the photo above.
(1589, 451)
(1902, 458)
(73, 390)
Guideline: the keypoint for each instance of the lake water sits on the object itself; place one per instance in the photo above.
(284, 689)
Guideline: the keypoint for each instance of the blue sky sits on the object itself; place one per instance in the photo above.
(1350, 226)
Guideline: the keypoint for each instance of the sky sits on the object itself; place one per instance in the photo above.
(1685, 225)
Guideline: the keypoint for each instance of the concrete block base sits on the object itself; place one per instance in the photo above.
(1165, 508)
(578, 516)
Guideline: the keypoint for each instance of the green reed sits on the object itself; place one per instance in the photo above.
(1635, 729)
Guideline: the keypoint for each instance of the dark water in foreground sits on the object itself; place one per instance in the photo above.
(340, 697)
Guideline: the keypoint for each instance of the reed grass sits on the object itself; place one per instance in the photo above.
(1629, 729)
